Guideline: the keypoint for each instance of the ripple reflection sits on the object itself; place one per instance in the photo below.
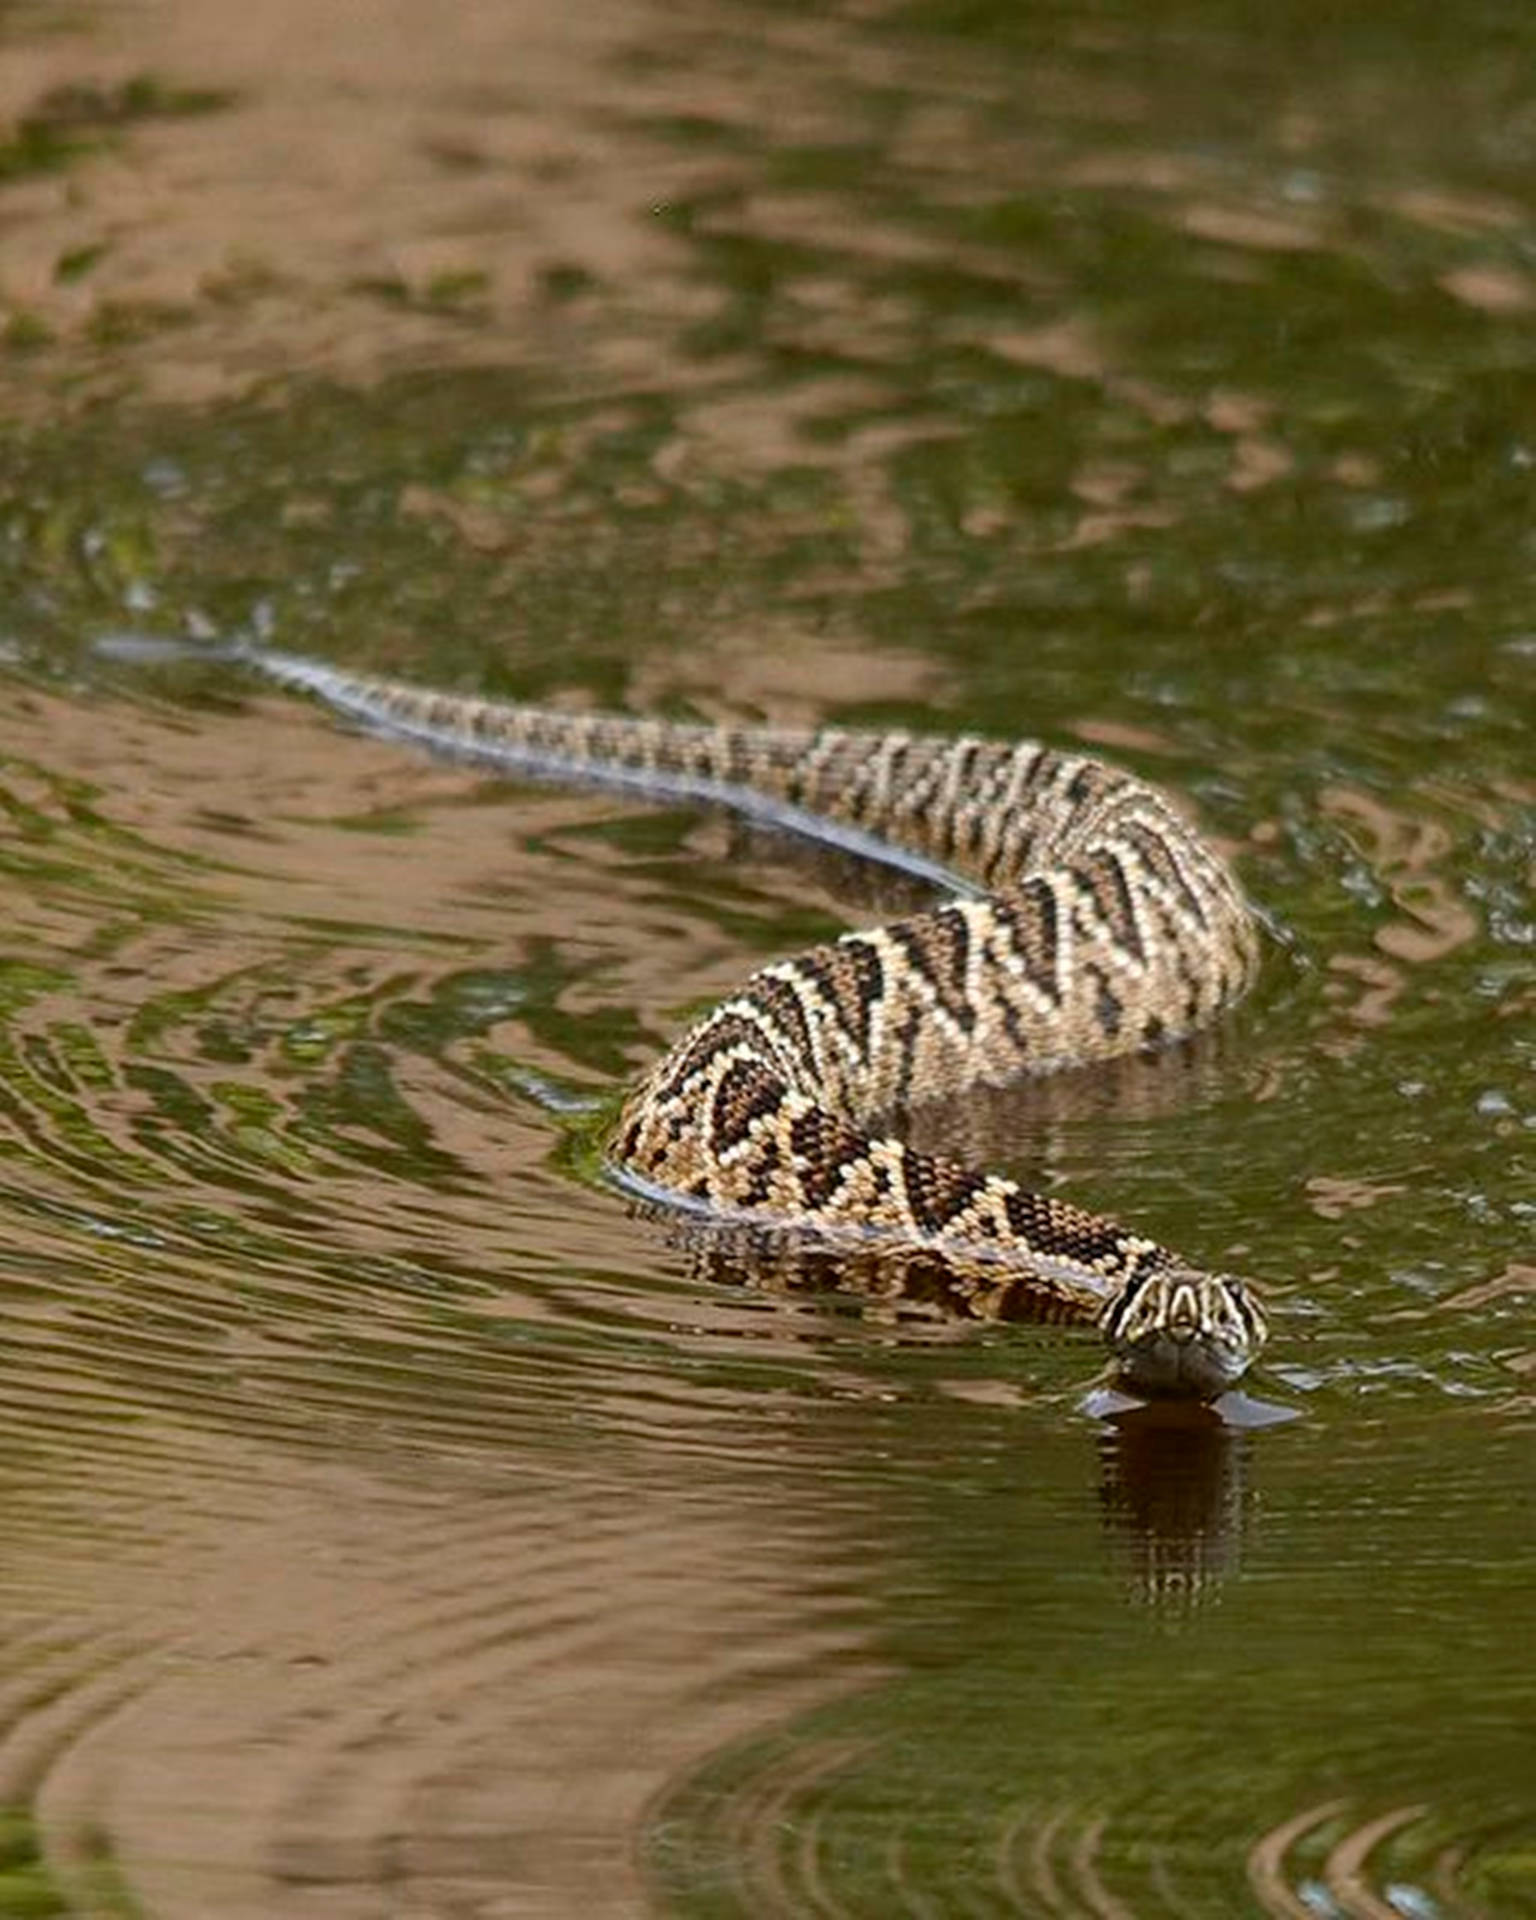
(792, 1834)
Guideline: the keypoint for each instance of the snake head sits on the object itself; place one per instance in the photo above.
(1175, 1330)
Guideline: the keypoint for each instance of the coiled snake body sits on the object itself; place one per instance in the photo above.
(1097, 923)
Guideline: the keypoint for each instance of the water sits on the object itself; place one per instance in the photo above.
(394, 1524)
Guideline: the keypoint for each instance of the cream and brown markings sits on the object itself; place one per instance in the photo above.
(1095, 922)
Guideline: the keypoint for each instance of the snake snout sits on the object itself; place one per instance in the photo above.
(1180, 1331)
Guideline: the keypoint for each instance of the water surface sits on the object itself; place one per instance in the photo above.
(395, 1524)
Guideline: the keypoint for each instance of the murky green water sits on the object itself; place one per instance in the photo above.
(394, 1526)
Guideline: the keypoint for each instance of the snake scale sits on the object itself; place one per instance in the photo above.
(1088, 920)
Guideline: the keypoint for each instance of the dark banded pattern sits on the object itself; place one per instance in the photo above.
(1092, 921)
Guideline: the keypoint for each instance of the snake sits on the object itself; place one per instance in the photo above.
(1083, 918)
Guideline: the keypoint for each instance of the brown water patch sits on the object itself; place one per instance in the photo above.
(360, 1557)
(1334, 1199)
(257, 232)
(290, 1685)
(1406, 849)
(1516, 1279)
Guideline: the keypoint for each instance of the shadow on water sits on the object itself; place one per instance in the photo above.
(1172, 1491)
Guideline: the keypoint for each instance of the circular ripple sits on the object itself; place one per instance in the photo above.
(818, 1826)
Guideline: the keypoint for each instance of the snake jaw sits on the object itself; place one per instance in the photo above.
(1177, 1331)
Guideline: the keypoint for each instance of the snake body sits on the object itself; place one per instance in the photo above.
(1089, 920)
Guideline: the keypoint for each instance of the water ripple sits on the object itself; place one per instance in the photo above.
(788, 1835)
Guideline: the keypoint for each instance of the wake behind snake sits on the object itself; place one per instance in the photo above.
(1092, 921)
